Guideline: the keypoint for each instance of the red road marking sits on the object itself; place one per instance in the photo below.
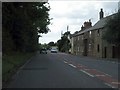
(82, 67)
(114, 85)
(100, 75)
(110, 81)
(107, 79)
(95, 72)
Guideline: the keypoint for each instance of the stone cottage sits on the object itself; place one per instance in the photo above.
(88, 41)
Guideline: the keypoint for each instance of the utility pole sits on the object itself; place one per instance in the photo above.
(67, 40)
(119, 6)
(67, 28)
(61, 34)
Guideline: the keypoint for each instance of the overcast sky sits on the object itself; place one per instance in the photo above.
(75, 13)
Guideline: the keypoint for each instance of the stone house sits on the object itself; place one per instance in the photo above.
(88, 41)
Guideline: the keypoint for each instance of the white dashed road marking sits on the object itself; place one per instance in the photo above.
(107, 74)
(72, 65)
(87, 73)
(91, 74)
(109, 85)
(65, 62)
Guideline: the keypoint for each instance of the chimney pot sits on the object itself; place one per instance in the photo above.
(101, 13)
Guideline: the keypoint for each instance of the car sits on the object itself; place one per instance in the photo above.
(54, 50)
(43, 51)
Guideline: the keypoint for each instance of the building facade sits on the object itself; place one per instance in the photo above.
(88, 41)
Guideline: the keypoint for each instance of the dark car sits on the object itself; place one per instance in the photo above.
(43, 51)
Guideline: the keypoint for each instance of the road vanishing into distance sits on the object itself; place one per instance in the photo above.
(60, 70)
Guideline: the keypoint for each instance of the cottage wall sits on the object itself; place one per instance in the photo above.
(106, 47)
(90, 43)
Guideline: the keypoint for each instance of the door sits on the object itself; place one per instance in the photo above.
(105, 52)
(85, 47)
(113, 51)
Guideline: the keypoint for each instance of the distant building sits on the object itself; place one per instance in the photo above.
(88, 41)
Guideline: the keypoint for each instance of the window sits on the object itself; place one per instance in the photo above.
(78, 49)
(98, 48)
(90, 47)
(82, 37)
(98, 32)
(78, 38)
(90, 33)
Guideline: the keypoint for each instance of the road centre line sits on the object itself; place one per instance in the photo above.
(87, 73)
(109, 85)
(72, 65)
(91, 75)
(65, 62)
(80, 65)
(107, 74)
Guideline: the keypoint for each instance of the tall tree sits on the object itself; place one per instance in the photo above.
(112, 34)
(22, 21)
(64, 43)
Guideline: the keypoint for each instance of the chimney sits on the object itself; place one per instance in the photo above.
(82, 27)
(87, 24)
(90, 23)
(101, 13)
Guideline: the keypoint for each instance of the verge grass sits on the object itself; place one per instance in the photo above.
(12, 62)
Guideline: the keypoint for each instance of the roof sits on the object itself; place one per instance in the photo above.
(100, 24)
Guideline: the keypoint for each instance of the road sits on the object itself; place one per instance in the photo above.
(60, 70)
(0, 70)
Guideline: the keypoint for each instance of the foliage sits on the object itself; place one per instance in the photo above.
(44, 46)
(51, 44)
(112, 34)
(22, 21)
(64, 43)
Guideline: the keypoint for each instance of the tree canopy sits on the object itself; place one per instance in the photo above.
(21, 23)
(112, 34)
(64, 43)
(51, 43)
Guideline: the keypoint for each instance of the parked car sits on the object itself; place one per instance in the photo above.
(43, 51)
(54, 50)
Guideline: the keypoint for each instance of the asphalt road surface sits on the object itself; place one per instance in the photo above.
(60, 70)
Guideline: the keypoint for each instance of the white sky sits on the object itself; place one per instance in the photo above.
(75, 13)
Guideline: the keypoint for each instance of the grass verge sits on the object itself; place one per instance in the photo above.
(11, 63)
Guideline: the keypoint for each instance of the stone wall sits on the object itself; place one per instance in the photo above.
(91, 44)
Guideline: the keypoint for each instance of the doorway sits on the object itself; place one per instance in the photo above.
(85, 47)
(105, 52)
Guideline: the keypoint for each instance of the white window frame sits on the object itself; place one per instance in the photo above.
(89, 46)
(90, 32)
